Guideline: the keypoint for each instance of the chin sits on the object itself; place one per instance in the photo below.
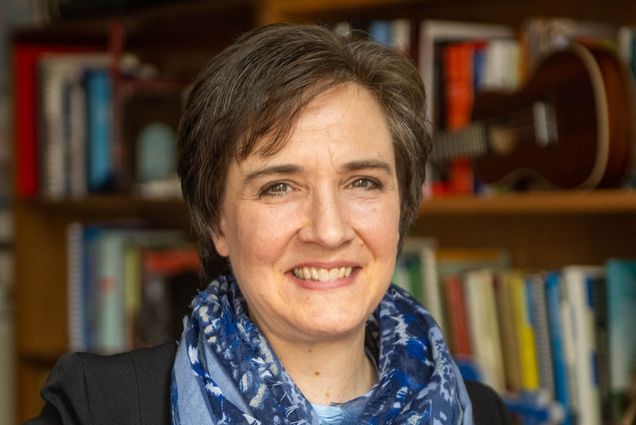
(334, 326)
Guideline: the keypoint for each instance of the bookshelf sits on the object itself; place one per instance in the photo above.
(542, 230)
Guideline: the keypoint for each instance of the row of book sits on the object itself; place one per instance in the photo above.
(559, 339)
(89, 121)
(129, 286)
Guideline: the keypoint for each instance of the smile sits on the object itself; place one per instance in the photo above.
(322, 275)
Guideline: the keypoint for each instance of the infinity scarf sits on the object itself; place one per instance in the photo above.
(227, 373)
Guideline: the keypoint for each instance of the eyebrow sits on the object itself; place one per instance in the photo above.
(272, 170)
(295, 169)
(368, 163)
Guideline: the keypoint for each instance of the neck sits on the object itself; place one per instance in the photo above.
(326, 372)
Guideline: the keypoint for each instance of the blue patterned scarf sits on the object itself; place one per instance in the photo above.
(227, 373)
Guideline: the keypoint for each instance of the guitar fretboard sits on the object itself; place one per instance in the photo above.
(468, 142)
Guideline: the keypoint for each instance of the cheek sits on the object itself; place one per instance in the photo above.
(261, 233)
(379, 222)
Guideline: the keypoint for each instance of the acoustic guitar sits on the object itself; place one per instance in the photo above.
(570, 126)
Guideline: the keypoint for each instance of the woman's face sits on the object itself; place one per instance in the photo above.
(312, 231)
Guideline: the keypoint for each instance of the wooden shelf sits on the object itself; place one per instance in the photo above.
(541, 230)
(596, 202)
(106, 203)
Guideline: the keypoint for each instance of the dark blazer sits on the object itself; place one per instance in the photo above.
(133, 388)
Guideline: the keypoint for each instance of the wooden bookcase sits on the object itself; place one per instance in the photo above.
(541, 229)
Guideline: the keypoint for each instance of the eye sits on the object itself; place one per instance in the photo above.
(366, 183)
(275, 189)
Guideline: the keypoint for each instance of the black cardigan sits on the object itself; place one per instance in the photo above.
(133, 388)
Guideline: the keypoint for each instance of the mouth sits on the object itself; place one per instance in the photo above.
(321, 274)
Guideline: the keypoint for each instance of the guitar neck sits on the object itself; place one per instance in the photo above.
(468, 142)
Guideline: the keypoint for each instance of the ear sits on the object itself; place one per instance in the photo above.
(219, 239)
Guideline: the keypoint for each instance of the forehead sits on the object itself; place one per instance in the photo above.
(344, 120)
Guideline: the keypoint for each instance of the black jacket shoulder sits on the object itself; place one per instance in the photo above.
(129, 388)
(133, 388)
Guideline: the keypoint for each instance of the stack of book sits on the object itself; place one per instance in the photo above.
(558, 343)
(128, 286)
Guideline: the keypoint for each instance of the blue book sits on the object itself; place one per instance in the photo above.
(99, 98)
(559, 366)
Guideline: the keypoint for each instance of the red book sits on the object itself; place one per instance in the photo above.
(457, 316)
(459, 92)
(25, 60)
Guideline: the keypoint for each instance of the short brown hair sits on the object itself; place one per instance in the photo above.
(255, 89)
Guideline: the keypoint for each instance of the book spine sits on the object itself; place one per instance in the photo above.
(578, 281)
(76, 306)
(458, 316)
(621, 309)
(539, 317)
(525, 335)
(99, 123)
(559, 366)
(510, 349)
(110, 324)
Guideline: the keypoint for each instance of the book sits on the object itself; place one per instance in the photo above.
(525, 333)
(456, 316)
(483, 327)
(99, 98)
(554, 300)
(507, 331)
(578, 281)
(537, 307)
(621, 311)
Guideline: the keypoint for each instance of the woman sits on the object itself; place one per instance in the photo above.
(302, 161)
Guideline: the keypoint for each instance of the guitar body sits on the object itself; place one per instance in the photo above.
(588, 95)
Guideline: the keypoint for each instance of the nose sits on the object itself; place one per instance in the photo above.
(328, 223)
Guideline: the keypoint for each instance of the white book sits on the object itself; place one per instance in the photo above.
(586, 391)
(484, 330)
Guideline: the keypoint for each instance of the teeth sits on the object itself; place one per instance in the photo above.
(322, 275)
